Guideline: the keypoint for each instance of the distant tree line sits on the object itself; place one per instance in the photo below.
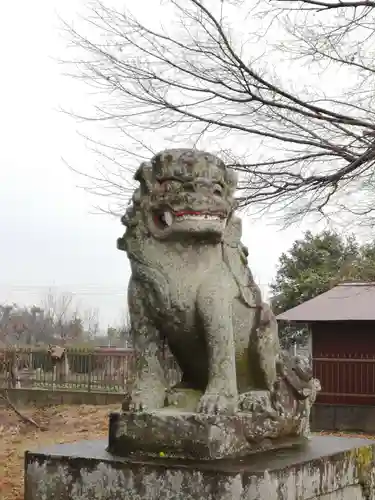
(59, 321)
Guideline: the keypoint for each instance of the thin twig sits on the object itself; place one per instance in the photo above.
(28, 420)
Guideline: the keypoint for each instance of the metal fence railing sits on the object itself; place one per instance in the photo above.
(346, 380)
(349, 380)
(91, 370)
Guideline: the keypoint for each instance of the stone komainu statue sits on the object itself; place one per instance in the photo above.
(192, 289)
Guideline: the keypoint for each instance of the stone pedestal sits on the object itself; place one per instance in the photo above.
(196, 436)
(328, 468)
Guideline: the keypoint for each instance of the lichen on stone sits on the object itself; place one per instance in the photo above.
(44, 485)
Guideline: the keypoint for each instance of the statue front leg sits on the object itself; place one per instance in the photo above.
(215, 310)
(149, 386)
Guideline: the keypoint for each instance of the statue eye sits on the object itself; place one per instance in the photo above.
(171, 185)
(218, 190)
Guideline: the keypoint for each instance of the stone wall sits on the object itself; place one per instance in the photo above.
(41, 397)
(343, 418)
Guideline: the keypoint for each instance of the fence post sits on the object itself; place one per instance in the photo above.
(89, 369)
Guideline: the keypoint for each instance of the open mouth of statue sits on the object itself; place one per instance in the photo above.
(168, 218)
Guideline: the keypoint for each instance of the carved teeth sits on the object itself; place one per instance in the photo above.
(198, 217)
(168, 218)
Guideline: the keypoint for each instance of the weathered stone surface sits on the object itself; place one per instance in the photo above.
(326, 468)
(195, 435)
(191, 289)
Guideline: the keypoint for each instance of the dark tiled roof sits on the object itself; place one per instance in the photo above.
(345, 302)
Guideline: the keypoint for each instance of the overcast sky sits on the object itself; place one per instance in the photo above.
(49, 238)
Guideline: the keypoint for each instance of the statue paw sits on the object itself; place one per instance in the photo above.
(139, 401)
(134, 403)
(216, 403)
(137, 406)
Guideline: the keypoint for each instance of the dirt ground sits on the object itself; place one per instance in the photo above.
(64, 424)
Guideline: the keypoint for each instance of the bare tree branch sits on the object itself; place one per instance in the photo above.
(294, 115)
(320, 5)
(25, 418)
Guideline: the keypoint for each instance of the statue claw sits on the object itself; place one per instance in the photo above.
(137, 406)
(141, 400)
(212, 403)
(135, 402)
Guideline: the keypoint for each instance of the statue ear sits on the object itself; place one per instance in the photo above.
(144, 176)
(231, 180)
(233, 231)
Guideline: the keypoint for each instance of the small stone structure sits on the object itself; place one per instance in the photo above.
(341, 325)
(60, 364)
(237, 425)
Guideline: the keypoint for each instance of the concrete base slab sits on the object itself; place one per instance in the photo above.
(329, 468)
